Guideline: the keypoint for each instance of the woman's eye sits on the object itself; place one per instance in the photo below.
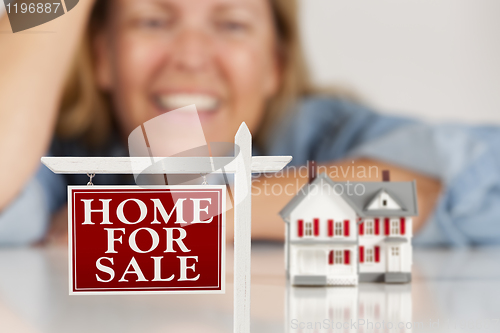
(154, 23)
(233, 26)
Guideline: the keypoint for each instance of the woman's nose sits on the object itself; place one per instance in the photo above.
(192, 50)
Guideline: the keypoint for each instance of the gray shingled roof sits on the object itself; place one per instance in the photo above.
(404, 193)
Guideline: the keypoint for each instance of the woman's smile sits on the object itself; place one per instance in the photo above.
(205, 103)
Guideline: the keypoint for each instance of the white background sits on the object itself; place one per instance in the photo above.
(434, 59)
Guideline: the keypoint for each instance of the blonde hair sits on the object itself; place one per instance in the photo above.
(86, 111)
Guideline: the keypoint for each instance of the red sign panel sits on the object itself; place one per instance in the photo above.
(158, 239)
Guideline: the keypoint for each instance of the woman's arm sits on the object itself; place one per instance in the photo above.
(33, 67)
(267, 224)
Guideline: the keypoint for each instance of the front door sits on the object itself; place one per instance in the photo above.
(312, 262)
(394, 258)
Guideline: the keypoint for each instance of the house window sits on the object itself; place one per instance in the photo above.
(369, 227)
(338, 229)
(384, 203)
(395, 251)
(394, 227)
(369, 255)
(308, 229)
(339, 257)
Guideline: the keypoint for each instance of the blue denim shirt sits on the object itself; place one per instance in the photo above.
(465, 158)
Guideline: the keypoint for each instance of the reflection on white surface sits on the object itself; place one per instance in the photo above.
(452, 291)
(34, 291)
(369, 307)
(320, 309)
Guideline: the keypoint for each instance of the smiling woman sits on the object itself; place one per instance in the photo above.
(114, 65)
(235, 60)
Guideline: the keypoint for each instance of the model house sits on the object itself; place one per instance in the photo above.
(342, 233)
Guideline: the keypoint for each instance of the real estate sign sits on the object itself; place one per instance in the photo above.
(157, 239)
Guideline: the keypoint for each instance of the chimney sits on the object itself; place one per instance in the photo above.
(386, 175)
(311, 171)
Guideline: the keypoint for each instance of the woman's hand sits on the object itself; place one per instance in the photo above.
(58, 230)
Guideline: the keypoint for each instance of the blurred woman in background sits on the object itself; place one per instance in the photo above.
(112, 65)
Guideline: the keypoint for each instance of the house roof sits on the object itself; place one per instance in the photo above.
(404, 193)
(392, 195)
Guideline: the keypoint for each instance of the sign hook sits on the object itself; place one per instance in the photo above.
(91, 175)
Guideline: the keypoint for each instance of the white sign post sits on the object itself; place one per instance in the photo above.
(243, 165)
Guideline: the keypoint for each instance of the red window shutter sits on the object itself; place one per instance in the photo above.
(316, 227)
(330, 258)
(300, 228)
(361, 228)
(377, 226)
(330, 228)
(402, 225)
(346, 228)
(377, 253)
(347, 260)
(361, 254)
(387, 226)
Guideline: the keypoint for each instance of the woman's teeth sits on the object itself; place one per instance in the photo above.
(175, 101)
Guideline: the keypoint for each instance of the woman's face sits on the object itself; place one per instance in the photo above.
(159, 55)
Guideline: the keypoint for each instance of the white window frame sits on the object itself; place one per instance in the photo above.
(338, 257)
(308, 229)
(339, 228)
(395, 227)
(369, 227)
(370, 255)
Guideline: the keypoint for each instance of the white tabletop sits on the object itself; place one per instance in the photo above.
(452, 291)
